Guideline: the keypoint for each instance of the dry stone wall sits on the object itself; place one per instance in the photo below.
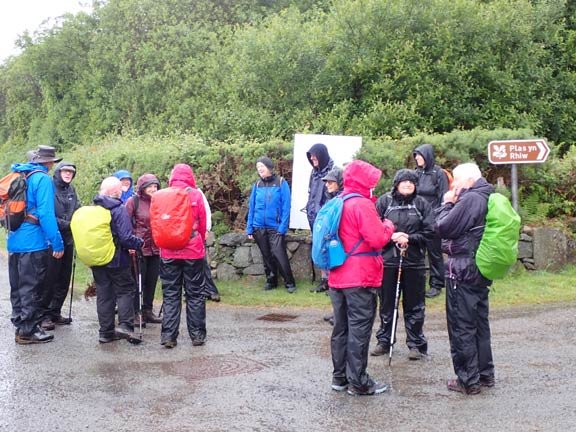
(233, 255)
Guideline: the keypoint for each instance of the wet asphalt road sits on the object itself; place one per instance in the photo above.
(258, 375)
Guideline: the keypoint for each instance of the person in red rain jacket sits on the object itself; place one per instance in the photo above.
(354, 285)
(184, 270)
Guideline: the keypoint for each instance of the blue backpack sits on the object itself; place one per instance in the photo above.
(327, 249)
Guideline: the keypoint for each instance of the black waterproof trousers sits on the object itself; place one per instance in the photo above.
(57, 283)
(149, 267)
(114, 286)
(272, 245)
(209, 285)
(469, 331)
(354, 313)
(412, 292)
(188, 275)
(27, 272)
(435, 262)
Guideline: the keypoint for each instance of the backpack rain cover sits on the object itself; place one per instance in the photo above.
(498, 249)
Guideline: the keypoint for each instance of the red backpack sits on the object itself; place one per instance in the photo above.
(13, 200)
(172, 218)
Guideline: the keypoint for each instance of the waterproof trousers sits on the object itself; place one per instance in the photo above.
(354, 312)
(435, 262)
(114, 285)
(27, 272)
(272, 245)
(469, 331)
(186, 275)
(412, 293)
(57, 283)
(149, 267)
(209, 285)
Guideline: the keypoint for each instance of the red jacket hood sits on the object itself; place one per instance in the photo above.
(182, 176)
(360, 177)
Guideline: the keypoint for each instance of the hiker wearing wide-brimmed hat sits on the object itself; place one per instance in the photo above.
(43, 155)
(29, 246)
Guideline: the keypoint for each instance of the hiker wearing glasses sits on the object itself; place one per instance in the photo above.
(59, 274)
(460, 222)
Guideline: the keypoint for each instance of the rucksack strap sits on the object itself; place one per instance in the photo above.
(403, 207)
(351, 253)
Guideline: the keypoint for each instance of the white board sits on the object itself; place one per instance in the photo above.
(342, 150)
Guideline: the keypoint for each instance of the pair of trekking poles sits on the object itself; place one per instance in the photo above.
(136, 259)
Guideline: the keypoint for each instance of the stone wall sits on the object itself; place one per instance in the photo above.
(233, 255)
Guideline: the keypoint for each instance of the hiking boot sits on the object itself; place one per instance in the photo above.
(339, 384)
(433, 292)
(322, 286)
(151, 317)
(39, 336)
(198, 341)
(268, 286)
(415, 354)
(455, 386)
(380, 350)
(104, 339)
(291, 288)
(123, 332)
(47, 324)
(487, 381)
(374, 389)
(169, 343)
(137, 319)
(62, 321)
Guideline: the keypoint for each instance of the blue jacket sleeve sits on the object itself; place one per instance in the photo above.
(46, 214)
(251, 207)
(285, 218)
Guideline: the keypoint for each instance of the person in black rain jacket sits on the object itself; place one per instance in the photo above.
(413, 226)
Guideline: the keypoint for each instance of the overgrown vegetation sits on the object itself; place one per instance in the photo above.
(141, 84)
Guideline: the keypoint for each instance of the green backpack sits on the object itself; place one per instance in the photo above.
(92, 235)
(498, 249)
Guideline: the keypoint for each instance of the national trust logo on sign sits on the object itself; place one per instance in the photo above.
(518, 151)
(499, 151)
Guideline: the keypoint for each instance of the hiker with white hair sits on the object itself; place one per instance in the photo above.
(114, 281)
(460, 223)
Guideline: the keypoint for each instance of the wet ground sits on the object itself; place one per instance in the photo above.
(255, 374)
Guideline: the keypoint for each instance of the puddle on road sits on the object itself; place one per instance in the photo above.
(213, 367)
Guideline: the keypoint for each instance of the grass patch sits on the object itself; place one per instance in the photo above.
(520, 288)
(247, 292)
(523, 288)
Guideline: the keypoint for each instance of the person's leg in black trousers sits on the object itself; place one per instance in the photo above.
(270, 264)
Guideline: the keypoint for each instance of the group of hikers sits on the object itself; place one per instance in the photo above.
(42, 256)
(420, 214)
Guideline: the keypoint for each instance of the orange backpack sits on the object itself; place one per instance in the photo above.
(171, 218)
(13, 200)
(449, 177)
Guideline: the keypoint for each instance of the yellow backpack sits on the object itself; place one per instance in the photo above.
(92, 235)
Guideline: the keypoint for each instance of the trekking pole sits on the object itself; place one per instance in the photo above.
(396, 302)
(137, 258)
(72, 285)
